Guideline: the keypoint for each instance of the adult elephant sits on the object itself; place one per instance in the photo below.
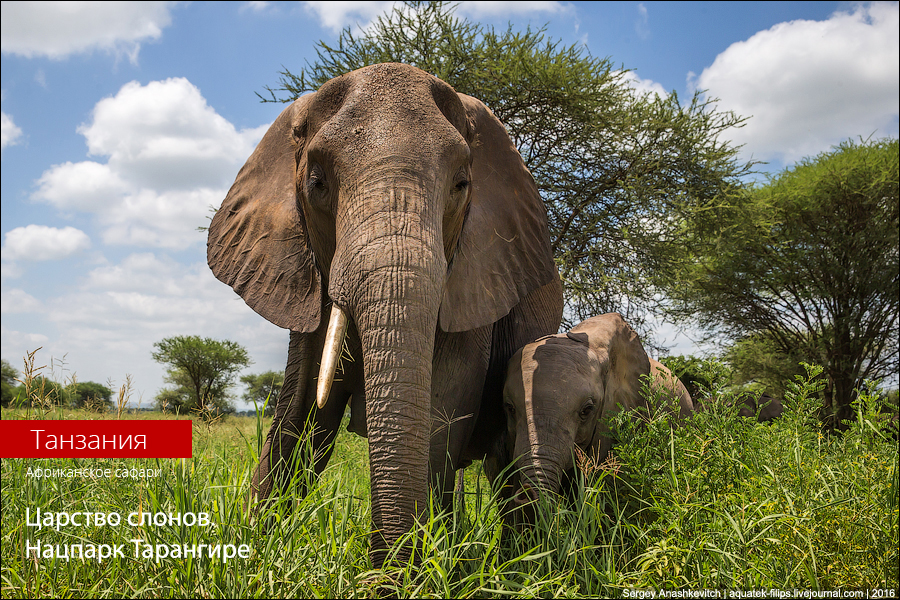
(403, 209)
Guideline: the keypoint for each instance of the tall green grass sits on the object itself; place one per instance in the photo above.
(719, 502)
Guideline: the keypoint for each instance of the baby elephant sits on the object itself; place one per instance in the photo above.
(558, 387)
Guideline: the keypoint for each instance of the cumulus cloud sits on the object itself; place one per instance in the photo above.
(502, 9)
(338, 15)
(16, 301)
(165, 135)
(170, 156)
(644, 86)
(85, 186)
(9, 132)
(810, 84)
(38, 242)
(59, 29)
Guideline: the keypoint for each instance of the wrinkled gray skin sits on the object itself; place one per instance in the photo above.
(559, 387)
(765, 409)
(407, 206)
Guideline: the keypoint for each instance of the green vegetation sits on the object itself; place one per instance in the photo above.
(719, 503)
(8, 376)
(201, 369)
(77, 394)
(263, 389)
(700, 376)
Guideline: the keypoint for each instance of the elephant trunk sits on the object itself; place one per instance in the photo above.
(541, 466)
(388, 275)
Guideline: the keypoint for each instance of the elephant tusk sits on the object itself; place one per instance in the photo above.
(331, 353)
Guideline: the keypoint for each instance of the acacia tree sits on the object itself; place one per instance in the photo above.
(614, 166)
(91, 393)
(263, 389)
(808, 265)
(202, 369)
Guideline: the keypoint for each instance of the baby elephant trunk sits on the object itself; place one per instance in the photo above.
(539, 478)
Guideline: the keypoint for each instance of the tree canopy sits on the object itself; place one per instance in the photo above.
(263, 389)
(8, 378)
(615, 166)
(90, 394)
(805, 265)
(202, 370)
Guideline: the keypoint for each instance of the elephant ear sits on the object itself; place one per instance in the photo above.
(257, 240)
(504, 248)
(609, 335)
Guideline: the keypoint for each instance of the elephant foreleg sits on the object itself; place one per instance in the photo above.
(459, 371)
(301, 435)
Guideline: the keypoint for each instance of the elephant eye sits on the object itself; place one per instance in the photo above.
(510, 408)
(461, 181)
(315, 180)
(587, 409)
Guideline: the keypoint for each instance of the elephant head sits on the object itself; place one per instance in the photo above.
(403, 209)
(557, 390)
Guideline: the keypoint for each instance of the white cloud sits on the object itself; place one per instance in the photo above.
(16, 344)
(85, 186)
(641, 25)
(256, 6)
(59, 29)
(163, 220)
(9, 132)
(38, 242)
(14, 301)
(337, 15)
(164, 135)
(810, 84)
(644, 86)
(502, 9)
(170, 157)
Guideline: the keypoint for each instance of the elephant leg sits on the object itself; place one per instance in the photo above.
(459, 371)
(537, 315)
(296, 419)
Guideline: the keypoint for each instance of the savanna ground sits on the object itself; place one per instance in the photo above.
(720, 503)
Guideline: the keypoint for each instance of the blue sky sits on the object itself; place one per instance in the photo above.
(123, 122)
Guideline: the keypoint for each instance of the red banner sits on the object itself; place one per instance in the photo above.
(96, 439)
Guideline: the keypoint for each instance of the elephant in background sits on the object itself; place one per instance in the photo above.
(402, 209)
(670, 390)
(764, 408)
(557, 390)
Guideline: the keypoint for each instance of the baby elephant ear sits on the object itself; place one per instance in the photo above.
(504, 248)
(609, 334)
(257, 240)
